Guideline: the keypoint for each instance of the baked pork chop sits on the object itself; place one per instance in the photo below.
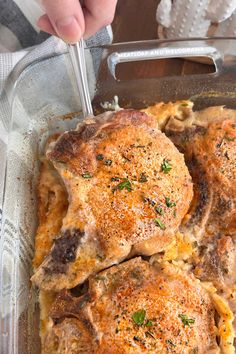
(128, 190)
(209, 144)
(135, 307)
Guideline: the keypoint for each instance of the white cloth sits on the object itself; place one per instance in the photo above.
(191, 18)
(46, 90)
(42, 92)
(19, 61)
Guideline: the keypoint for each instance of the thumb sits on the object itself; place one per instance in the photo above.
(65, 18)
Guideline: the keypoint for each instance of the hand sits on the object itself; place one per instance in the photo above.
(71, 21)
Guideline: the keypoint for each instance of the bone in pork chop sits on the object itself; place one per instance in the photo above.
(128, 190)
(135, 307)
(209, 146)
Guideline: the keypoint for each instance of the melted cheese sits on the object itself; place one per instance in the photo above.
(225, 325)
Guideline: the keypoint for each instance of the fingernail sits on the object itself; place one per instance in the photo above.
(68, 27)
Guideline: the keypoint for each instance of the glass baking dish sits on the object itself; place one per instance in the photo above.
(40, 95)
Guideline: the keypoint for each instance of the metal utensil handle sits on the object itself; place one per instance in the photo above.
(162, 53)
(78, 62)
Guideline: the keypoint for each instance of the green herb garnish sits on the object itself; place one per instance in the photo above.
(186, 321)
(87, 175)
(166, 166)
(138, 317)
(142, 178)
(159, 210)
(149, 323)
(108, 162)
(100, 157)
(160, 224)
(169, 203)
(125, 184)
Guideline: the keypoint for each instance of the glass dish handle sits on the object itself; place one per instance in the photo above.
(172, 51)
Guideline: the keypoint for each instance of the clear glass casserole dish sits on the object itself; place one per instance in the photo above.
(40, 96)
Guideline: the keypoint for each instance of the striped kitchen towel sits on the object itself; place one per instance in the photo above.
(21, 43)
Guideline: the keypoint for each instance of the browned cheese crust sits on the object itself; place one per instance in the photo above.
(128, 190)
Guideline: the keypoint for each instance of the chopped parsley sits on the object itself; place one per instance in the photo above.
(108, 162)
(100, 157)
(139, 317)
(149, 323)
(87, 175)
(166, 166)
(125, 184)
(186, 321)
(159, 210)
(160, 224)
(142, 178)
(169, 203)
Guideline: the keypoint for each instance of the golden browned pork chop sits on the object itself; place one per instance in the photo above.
(135, 307)
(209, 146)
(128, 191)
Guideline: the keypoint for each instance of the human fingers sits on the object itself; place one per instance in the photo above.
(64, 18)
(97, 14)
